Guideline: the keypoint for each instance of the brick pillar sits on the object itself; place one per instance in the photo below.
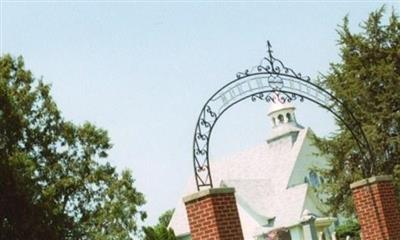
(213, 214)
(376, 207)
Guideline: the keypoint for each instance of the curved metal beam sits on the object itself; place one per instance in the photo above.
(271, 76)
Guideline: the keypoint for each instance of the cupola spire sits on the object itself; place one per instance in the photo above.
(282, 114)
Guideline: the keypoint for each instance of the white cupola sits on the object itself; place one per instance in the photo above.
(283, 120)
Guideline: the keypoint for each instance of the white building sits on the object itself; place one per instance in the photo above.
(273, 182)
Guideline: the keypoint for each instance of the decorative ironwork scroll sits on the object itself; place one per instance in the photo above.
(270, 81)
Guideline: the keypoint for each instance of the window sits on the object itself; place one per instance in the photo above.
(314, 180)
(289, 117)
(274, 121)
(280, 118)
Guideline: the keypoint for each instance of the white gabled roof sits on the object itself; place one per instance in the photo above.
(260, 177)
(283, 206)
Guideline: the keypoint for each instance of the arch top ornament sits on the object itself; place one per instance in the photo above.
(272, 65)
(269, 81)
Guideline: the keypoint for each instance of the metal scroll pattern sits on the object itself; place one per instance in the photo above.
(269, 81)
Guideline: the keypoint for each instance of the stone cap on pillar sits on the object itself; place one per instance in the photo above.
(206, 193)
(371, 180)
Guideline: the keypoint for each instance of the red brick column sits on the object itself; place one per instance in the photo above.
(377, 210)
(213, 214)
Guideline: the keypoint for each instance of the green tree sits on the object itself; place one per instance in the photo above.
(367, 80)
(349, 228)
(52, 185)
(161, 230)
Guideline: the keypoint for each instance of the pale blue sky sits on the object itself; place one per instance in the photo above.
(143, 70)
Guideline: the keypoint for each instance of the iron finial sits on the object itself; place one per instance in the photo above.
(269, 49)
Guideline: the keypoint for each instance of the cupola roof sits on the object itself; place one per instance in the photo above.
(279, 106)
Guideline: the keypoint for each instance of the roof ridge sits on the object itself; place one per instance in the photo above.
(296, 150)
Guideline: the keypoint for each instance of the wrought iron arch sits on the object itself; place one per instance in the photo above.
(271, 81)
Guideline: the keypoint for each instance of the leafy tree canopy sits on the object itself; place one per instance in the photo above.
(52, 185)
(367, 80)
(350, 228)
(161, 230)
